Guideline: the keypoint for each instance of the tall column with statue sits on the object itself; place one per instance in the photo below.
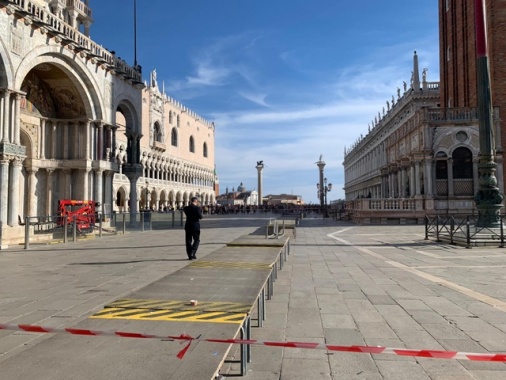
(260, 167)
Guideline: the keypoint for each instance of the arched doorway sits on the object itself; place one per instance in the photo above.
(53, 113)
(462, 165)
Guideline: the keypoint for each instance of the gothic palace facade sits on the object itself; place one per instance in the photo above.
(77, 122)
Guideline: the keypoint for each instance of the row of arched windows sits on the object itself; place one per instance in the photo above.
(174, 141)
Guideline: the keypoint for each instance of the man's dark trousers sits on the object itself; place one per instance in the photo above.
(192, 236)
(192, 228)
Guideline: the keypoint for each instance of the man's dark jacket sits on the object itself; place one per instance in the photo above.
(193, 215)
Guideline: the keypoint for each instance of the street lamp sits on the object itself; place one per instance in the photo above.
(322, 194)
(323, 188)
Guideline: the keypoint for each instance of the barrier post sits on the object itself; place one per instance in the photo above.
(173, 218)
(468, 233)
(65, 229)
(437, 229)
(124, 224)
(502, 234)
(74, 229)
(452, 226)
(100, 225)
(142, 220)
(426, 220)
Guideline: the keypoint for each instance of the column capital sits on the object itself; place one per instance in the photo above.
(32, 170)
(17, 161)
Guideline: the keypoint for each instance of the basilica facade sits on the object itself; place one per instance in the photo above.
(77, 122)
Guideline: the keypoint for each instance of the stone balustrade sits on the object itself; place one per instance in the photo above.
(70, 35)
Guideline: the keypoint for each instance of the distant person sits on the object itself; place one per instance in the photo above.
(193, 214)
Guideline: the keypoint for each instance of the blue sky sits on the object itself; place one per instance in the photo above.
(283, 80)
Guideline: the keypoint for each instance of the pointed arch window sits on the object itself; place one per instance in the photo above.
(173, 137)
(192, 144)
(204, 149)
(157, 132)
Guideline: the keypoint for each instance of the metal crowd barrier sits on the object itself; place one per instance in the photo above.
(463, 229)
(45, 229)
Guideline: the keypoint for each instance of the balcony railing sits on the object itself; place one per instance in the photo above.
(80, 7)
(451, 114)
(70, 35)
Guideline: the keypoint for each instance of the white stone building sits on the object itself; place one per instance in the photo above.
(77, 122)
(416, 159)
(177, 155)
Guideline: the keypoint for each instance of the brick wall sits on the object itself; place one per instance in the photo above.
(457, 50)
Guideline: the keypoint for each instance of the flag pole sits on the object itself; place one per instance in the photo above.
(135, 33)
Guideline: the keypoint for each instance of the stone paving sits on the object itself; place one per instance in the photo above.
(342, 284)
(383, 285)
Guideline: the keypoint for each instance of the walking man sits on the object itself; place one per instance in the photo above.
(193, 214)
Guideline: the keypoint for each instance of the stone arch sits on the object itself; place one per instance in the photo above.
(121, 199)
(126, 106)
(76, 71)
(61, 94)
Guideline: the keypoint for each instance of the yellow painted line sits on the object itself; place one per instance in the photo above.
(170, 315)
(226, 264)
(230, 307)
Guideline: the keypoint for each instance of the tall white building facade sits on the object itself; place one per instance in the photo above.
(416, 159)
(77, 122)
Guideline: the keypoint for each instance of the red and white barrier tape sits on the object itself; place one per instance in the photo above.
(437, 354)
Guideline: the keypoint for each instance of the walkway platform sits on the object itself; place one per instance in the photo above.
(215, 296)
(343, 285)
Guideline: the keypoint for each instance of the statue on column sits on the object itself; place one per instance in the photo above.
(153, 79)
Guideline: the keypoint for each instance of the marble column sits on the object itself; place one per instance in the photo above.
(14, 191)
(42, 139)
(32, 186)
(66, 140)
(49, 192)
(6, 102)
(100, 142)
(87, 141)
(107, 195)
(428, 187)
(78, 150)
(418, 190)
(17, 119)
(98, 186)
(400, 181)
(411, 180)
(86, 184)
(68, 183)
(4, 190)
(54, 126)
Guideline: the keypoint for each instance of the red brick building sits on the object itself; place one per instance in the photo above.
(458, 86)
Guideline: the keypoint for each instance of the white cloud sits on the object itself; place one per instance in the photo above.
(323, 116)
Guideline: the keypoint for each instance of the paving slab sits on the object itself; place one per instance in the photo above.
(342, 284)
